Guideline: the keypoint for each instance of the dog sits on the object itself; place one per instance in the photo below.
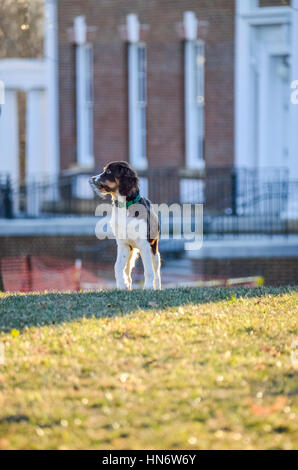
(120, 181)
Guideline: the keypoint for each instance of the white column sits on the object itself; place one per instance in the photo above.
(265, 158)
(136, 154)
(9, 136)
(35, 150)
(243, 145)
(133, 36)
(51, 55)
(292, 212)
(35, 145)
(191, 131)
(134, 147)
(84, 67)
(293, 161)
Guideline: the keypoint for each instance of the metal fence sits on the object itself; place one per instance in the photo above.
(6, 204)
(236, 201)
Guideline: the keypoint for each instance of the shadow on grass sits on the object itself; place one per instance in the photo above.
(19, 311)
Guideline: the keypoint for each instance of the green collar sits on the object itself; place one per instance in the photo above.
(121, 205)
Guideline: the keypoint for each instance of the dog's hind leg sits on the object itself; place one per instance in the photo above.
(123, 252)
(133, 255)
(145, 251)
(156, 266)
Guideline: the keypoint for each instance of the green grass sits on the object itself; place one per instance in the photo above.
(177, 369)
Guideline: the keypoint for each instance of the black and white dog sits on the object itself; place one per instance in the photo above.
(120, 181)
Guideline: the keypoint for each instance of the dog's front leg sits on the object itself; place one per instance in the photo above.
(120, 274)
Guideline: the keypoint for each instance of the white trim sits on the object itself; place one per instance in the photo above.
(133, 28)
(35, 135)
(245, 6)
(51, 54)
(267, 246)
(190, 23)
(137, 106)
(242, 95)
(194, 110)
(23, 74)
(267, 15)
(263, 109)
(80, 30)
(84, 111)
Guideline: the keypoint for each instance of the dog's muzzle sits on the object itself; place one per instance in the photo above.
(96, 185)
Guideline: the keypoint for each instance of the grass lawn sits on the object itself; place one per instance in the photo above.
(177, 369)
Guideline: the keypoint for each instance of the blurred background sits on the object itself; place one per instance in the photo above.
(196, 94)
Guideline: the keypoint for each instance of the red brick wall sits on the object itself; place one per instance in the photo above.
(165, 79)
(64, 246)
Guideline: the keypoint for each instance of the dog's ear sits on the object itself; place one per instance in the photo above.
(128, 180)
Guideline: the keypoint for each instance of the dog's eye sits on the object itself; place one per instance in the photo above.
(108, 172)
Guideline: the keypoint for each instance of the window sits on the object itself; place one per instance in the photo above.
(85, 105)
(137, 69)
(194, 102)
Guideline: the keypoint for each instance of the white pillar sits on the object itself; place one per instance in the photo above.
(51, 55)
(35, 144)
(80, 39)
(84, 106)
(9, 136)
(292, 212)
(136, 113)
(243, 144)
(293, 161)
(35, 149)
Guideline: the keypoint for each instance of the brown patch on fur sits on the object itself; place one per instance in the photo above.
(119, 176)
(111, 185)
(154, 245)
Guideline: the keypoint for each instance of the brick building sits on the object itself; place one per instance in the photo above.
(161, 35)
(180, 88)
(163, 83)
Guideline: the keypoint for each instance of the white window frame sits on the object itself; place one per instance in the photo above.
(85, 105)
(137, 82)
(194, 103)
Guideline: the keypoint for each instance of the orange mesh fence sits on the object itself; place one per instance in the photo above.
(33, 273)
(40, 273)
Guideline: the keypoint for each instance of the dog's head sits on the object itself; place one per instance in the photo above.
(116, 178)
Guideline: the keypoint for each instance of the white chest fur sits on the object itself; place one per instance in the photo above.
(127, 229)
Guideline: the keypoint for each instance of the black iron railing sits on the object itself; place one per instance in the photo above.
(6, 197)
(236, 201)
